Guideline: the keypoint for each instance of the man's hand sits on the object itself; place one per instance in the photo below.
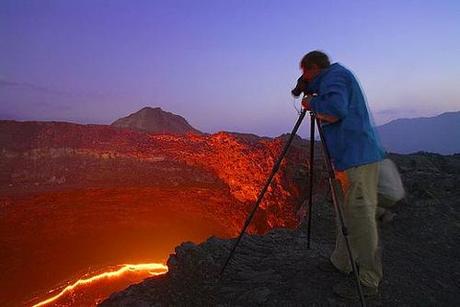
(327, 118)
(306, 102)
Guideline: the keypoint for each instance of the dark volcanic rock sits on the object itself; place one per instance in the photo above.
(421, 252)
(156, 120)
(274, 269)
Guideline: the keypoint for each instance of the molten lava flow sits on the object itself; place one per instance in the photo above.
(152, 269)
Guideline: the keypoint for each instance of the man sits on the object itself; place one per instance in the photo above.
(355, 153)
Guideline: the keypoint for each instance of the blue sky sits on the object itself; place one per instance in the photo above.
(223, 65)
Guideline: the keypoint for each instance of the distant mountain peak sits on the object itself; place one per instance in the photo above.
(147, 109)
(438, 134)
(154, 119)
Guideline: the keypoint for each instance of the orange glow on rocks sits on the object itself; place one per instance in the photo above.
(119, 156)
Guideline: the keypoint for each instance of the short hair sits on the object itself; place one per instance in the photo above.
(315, 57)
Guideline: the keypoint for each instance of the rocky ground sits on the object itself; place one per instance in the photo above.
(420, 244)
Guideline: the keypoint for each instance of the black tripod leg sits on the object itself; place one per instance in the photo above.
(310, 181)
(267, 184)
(333, 185)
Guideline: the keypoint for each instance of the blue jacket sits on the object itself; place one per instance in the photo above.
(351, 141)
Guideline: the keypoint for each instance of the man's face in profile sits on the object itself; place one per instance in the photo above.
(309, 73)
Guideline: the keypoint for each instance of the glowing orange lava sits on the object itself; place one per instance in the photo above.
(153, 269)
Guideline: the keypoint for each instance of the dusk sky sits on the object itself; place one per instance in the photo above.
(223, 65)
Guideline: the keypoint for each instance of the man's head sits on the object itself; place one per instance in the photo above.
(312, 64)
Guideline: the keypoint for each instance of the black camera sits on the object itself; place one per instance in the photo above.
(301, 87)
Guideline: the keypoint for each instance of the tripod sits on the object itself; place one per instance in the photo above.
(333, 183)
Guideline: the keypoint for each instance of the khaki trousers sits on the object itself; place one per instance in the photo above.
(359, 203)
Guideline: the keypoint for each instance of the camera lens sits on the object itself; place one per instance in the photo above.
(301, 87)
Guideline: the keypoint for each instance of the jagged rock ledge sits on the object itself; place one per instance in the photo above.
(274, 269)
(277, 269)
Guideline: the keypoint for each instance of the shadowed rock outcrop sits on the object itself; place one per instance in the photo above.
(275, 269)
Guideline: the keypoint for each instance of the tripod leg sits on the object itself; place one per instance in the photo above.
(267, 184)
(334, 184)
(310, 181)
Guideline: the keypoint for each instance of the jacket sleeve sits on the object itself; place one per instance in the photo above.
(333, 98)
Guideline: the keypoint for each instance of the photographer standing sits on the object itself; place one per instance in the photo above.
(355, 153)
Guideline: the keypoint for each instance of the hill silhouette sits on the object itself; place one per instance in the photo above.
(439, 134)
(156, 120)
